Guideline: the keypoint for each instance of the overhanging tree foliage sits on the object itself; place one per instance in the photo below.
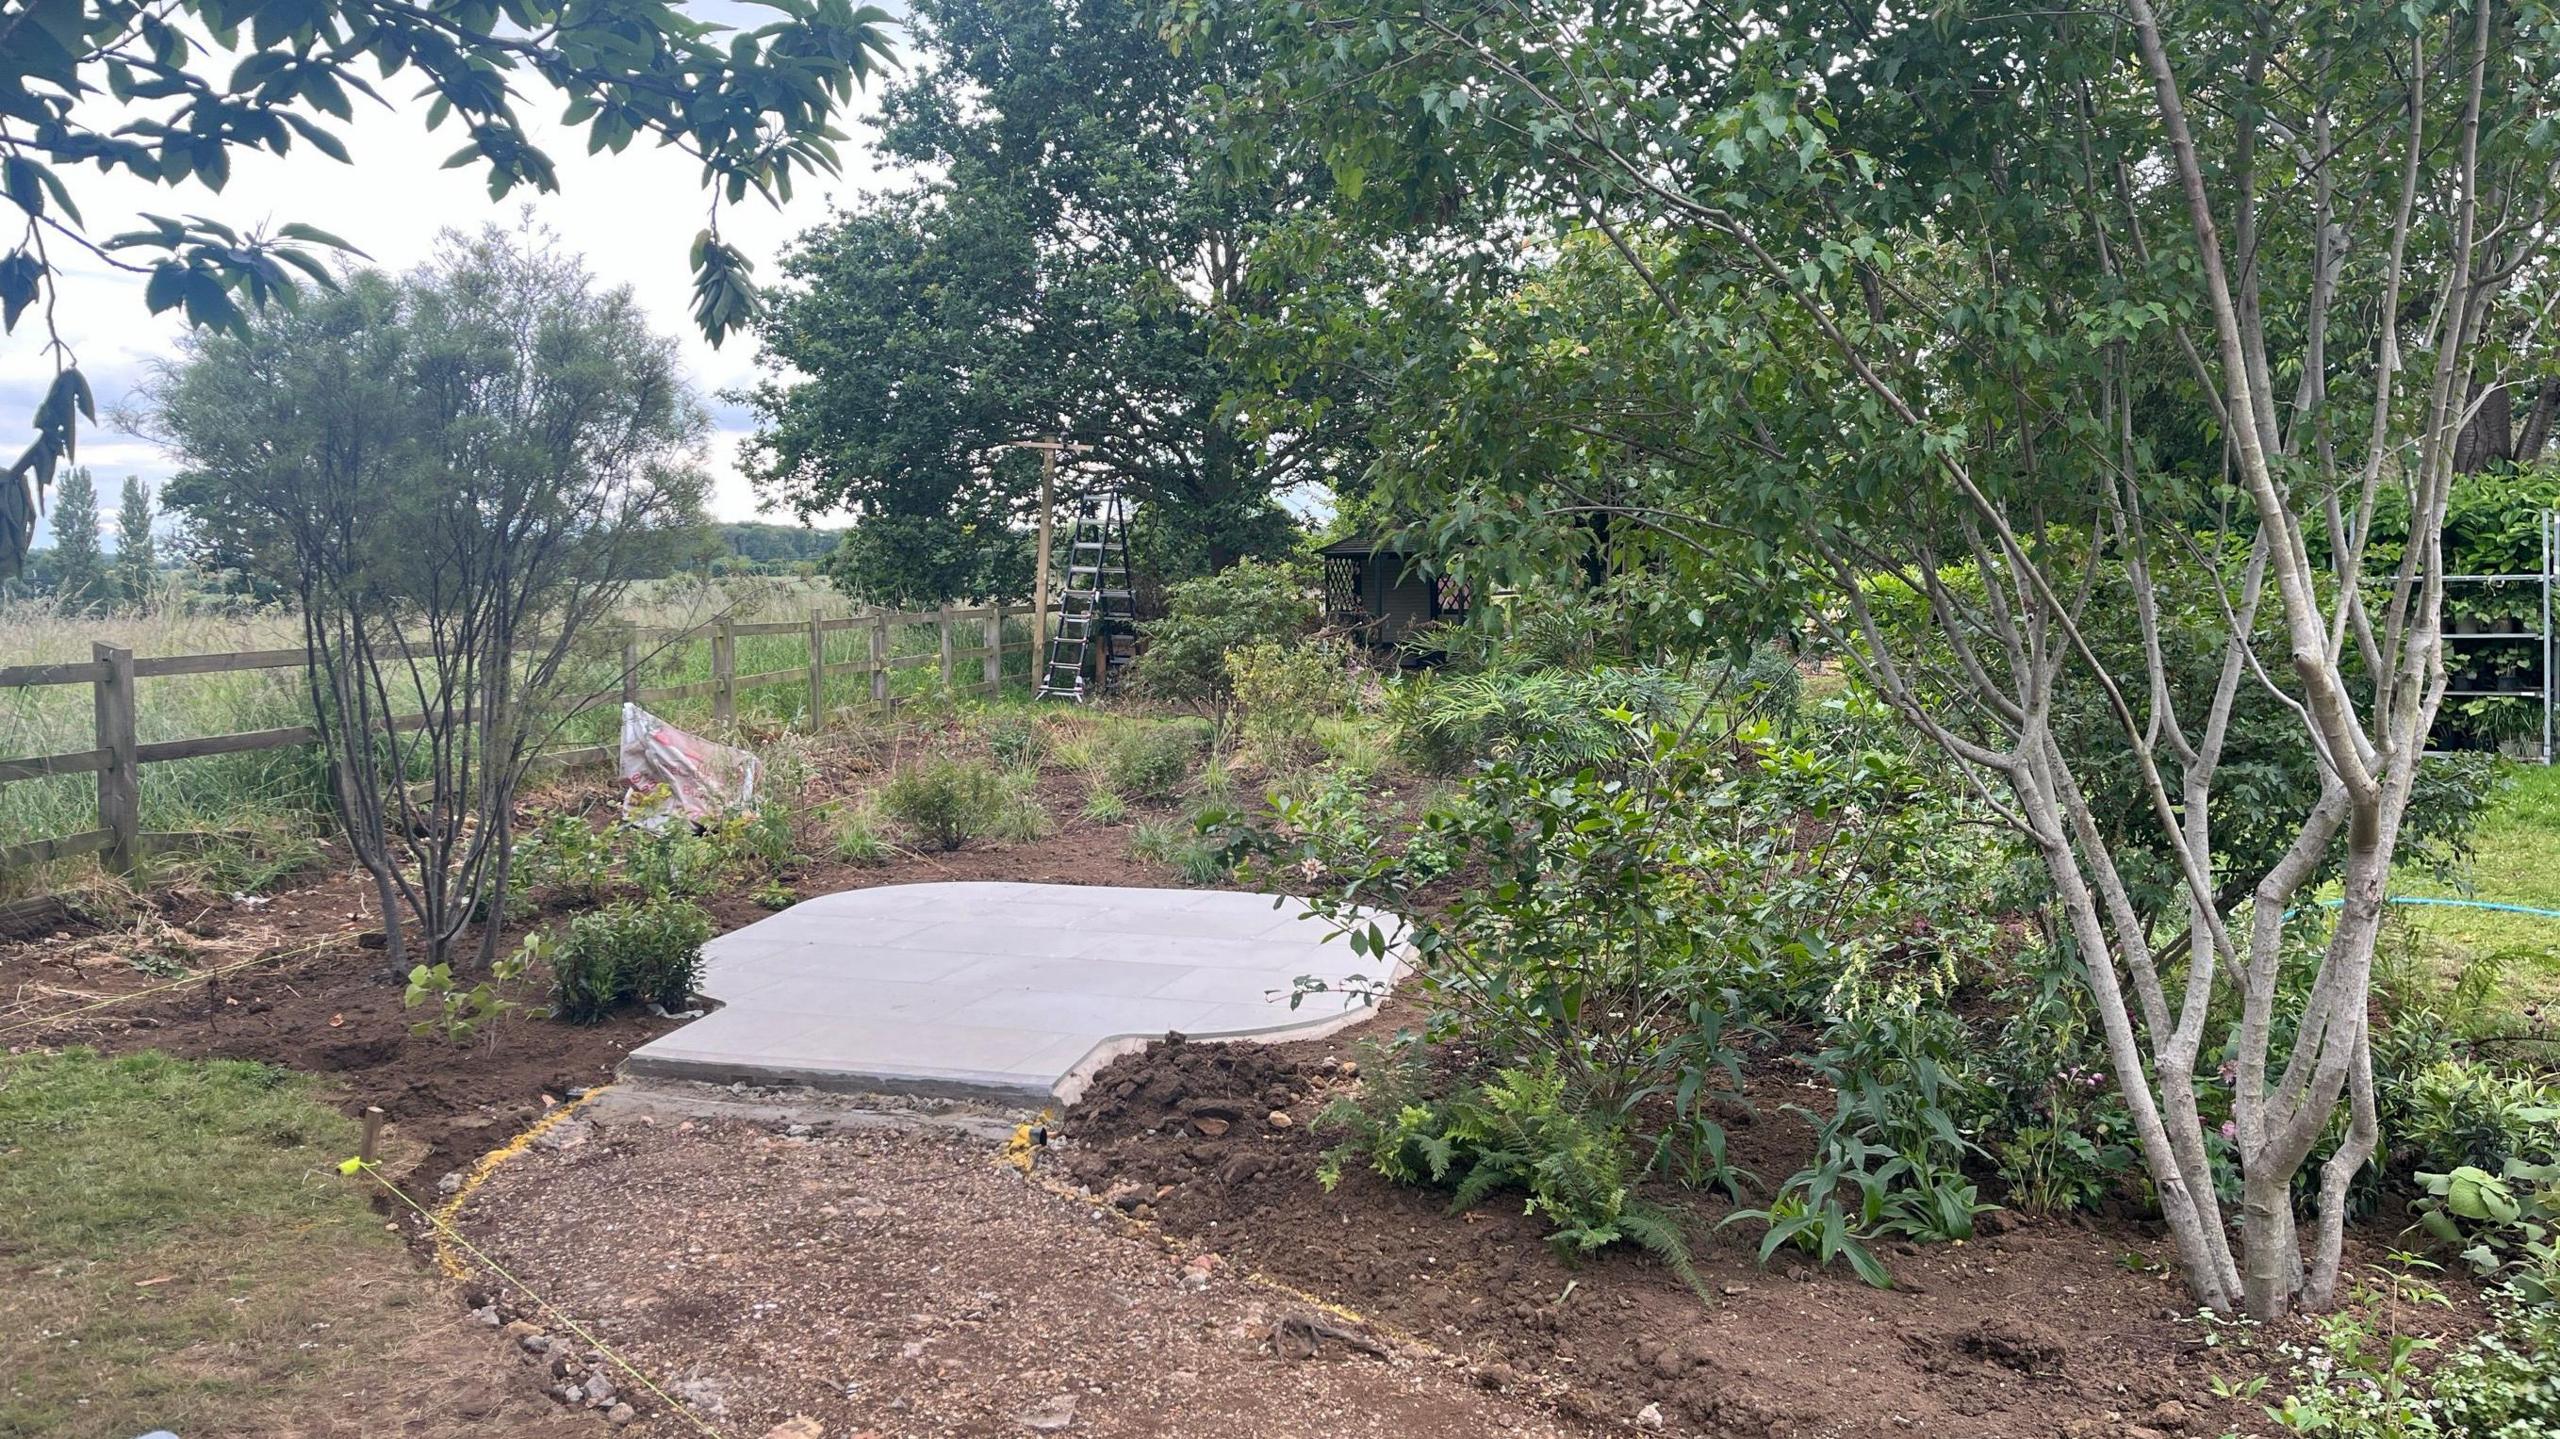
(455, 475)
(167, 92)
(1062, 265)
(2073, 355)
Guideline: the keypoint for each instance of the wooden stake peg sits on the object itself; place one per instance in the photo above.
(371, 1147)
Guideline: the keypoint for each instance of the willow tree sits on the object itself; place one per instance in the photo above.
(2073, 354)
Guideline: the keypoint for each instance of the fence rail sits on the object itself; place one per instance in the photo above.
(119, 753)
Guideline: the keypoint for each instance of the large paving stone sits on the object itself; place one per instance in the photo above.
(1014, 993)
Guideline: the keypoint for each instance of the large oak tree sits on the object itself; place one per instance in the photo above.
(1067, 258)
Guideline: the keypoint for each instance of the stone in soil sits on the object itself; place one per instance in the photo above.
(1048, 1417)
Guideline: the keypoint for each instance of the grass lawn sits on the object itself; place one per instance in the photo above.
(2517, 862)
(176, 1251)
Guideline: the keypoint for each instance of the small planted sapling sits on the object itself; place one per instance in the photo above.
(463, 1015)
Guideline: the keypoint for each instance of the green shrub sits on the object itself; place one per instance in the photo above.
(1251, 601)
(1156, 841)
(1018, 816)
(2502, 1221)
(584, 987)
(858, 839)
(942, 802)
(2458, 1112)
(1105, 806)
(1546, 721)
(675, 862)
(461, 1014)
(1290, 682)
(2365, 1375)
(1619, 924)
(1150, 762)
(1018, 741)
(565, 855)
(1284, 691)
(649, 951)
(2489, 1168)
(762, 839)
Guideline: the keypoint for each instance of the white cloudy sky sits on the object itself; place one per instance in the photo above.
(632, 215)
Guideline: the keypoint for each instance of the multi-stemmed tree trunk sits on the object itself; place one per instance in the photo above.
(2108, 373)
(456, 475)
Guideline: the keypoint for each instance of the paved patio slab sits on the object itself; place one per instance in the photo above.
(1012, 993)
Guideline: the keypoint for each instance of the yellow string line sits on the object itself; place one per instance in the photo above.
(445, 1232)
(179, 983)
(487, 1164)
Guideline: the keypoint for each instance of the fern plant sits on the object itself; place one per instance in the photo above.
(1549, 722)
(1523, 1130)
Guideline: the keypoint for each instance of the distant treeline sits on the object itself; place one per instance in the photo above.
(744, 548)
(778, 547)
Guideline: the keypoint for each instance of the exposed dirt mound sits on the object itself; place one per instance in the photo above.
(1173, 1085)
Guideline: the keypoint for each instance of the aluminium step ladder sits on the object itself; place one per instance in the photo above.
(1097, 614)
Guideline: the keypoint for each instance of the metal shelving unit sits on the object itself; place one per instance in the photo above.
(2543, 686)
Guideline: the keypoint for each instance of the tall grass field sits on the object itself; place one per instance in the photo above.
(273, 801)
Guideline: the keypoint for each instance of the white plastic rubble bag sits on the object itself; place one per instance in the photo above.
(668, 774)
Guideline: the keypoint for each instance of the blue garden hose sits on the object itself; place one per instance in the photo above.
(2498, 905)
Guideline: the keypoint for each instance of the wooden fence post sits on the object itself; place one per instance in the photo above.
(120, 782)
(724, 672)
(942, 624)
(817, 673)
(991, 665)
(631, 664)
(880, 659)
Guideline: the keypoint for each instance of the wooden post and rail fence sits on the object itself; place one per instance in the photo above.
(116, 758)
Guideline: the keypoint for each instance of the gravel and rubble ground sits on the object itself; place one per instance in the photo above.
(900, 1279)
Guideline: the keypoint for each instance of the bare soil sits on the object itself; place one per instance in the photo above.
(904, 1282)
(2035, 1329)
